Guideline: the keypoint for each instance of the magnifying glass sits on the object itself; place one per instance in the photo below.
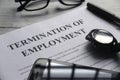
(103, 39)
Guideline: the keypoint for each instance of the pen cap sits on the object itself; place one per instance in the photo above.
(99, 12)
(106, 15)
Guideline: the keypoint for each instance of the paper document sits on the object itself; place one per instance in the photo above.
(61, 38)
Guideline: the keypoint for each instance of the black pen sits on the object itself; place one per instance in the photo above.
(103, 14)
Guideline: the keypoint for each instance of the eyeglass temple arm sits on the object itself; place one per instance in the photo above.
(20, 0)
(20, 8)
(82, 0)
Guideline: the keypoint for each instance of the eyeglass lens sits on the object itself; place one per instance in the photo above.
(40, 4)
(71, 2)
(36, 4)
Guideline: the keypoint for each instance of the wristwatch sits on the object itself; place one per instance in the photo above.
(103, 39)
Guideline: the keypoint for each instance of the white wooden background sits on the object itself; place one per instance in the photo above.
(12, 20)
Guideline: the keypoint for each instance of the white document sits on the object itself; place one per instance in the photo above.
(61, 38)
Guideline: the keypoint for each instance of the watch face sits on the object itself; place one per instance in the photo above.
(102, 36)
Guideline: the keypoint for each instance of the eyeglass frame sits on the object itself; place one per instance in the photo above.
(22, 5)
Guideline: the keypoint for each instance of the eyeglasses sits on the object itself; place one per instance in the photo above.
(33, 5)
(103, 39)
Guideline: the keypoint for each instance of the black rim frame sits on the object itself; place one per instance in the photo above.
(22, 5)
